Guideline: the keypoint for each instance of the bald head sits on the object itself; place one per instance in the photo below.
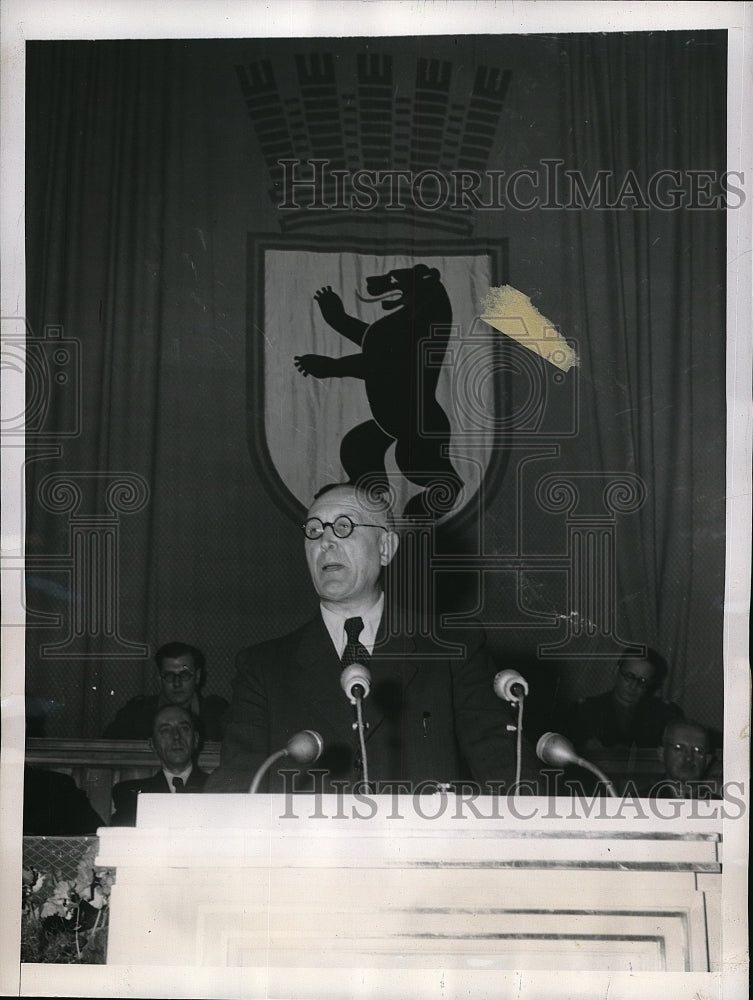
(349, 541)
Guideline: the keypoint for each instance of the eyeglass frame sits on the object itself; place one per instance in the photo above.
(684, 748)
(635, 680)
(183, 675)
(331, 524)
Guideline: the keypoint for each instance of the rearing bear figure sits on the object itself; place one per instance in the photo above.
(400, 383)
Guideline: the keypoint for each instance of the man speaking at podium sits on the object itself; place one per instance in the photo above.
(431, 714)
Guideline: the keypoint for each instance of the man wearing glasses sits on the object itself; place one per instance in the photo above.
(431, 714)
(629, 714)
(686, 752)
(180, 669)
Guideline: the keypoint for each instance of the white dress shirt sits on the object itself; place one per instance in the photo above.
(182, 774)
(336, 626)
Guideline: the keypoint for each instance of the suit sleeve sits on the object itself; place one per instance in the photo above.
(482, 719)
(124, 799)
(121, 726)
(246, 742)
(133, 721)
(213, 715)
(54, 806)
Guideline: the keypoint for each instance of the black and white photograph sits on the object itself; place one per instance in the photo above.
(376, 442)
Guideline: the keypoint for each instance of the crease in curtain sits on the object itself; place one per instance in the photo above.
(653, 316)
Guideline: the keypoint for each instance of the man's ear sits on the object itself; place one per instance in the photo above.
(660, 753)
(195, 740)
(388, 544)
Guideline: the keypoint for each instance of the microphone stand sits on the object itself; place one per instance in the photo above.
(582, 762)
(511, 686)
(303, 748)
(361, 735)
(355, 680)
(264, 768)
(519, 743)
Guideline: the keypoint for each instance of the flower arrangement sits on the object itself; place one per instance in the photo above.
(65, 920)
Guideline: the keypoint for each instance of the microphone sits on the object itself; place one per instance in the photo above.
(555, 749)
(510, 686)
(304, 748)
(355, 681)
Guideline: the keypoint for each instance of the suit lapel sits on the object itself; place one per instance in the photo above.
(318, 676)
(392, 667)
(157, 783)
(196, 778)
(392, 671)
(319, 672)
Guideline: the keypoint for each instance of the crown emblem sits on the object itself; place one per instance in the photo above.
(344, 141)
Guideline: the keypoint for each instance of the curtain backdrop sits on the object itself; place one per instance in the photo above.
(651, 286)
(145, 180)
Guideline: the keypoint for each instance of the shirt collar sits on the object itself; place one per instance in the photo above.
(185, 775)
(335, 626)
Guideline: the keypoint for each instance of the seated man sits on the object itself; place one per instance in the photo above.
(629, 714)
(432, 714)
(54, 806)
(175, 740)
(686, 753)
(181, 671)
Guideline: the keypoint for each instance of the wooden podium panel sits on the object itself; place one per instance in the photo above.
(396, 882)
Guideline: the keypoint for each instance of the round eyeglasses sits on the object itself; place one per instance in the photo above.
(176, 677)
(342, 527)
(634, 679)
(684, 748)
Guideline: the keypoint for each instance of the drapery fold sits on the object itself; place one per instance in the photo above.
(653, 283)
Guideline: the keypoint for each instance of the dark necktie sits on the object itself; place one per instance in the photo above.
(355, 651)
(178, 785)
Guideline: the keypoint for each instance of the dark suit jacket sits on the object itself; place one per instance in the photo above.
(433, 716)
(55, 807)
(125, 794)
(595, 718)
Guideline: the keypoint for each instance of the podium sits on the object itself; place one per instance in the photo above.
(282, 884)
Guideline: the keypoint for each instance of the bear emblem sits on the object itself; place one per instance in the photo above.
(400, 384)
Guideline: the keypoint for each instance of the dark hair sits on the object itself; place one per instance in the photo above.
(171, 650)
(328, 487)
(651, 656)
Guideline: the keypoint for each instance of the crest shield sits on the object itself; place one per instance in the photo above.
(296, 424)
